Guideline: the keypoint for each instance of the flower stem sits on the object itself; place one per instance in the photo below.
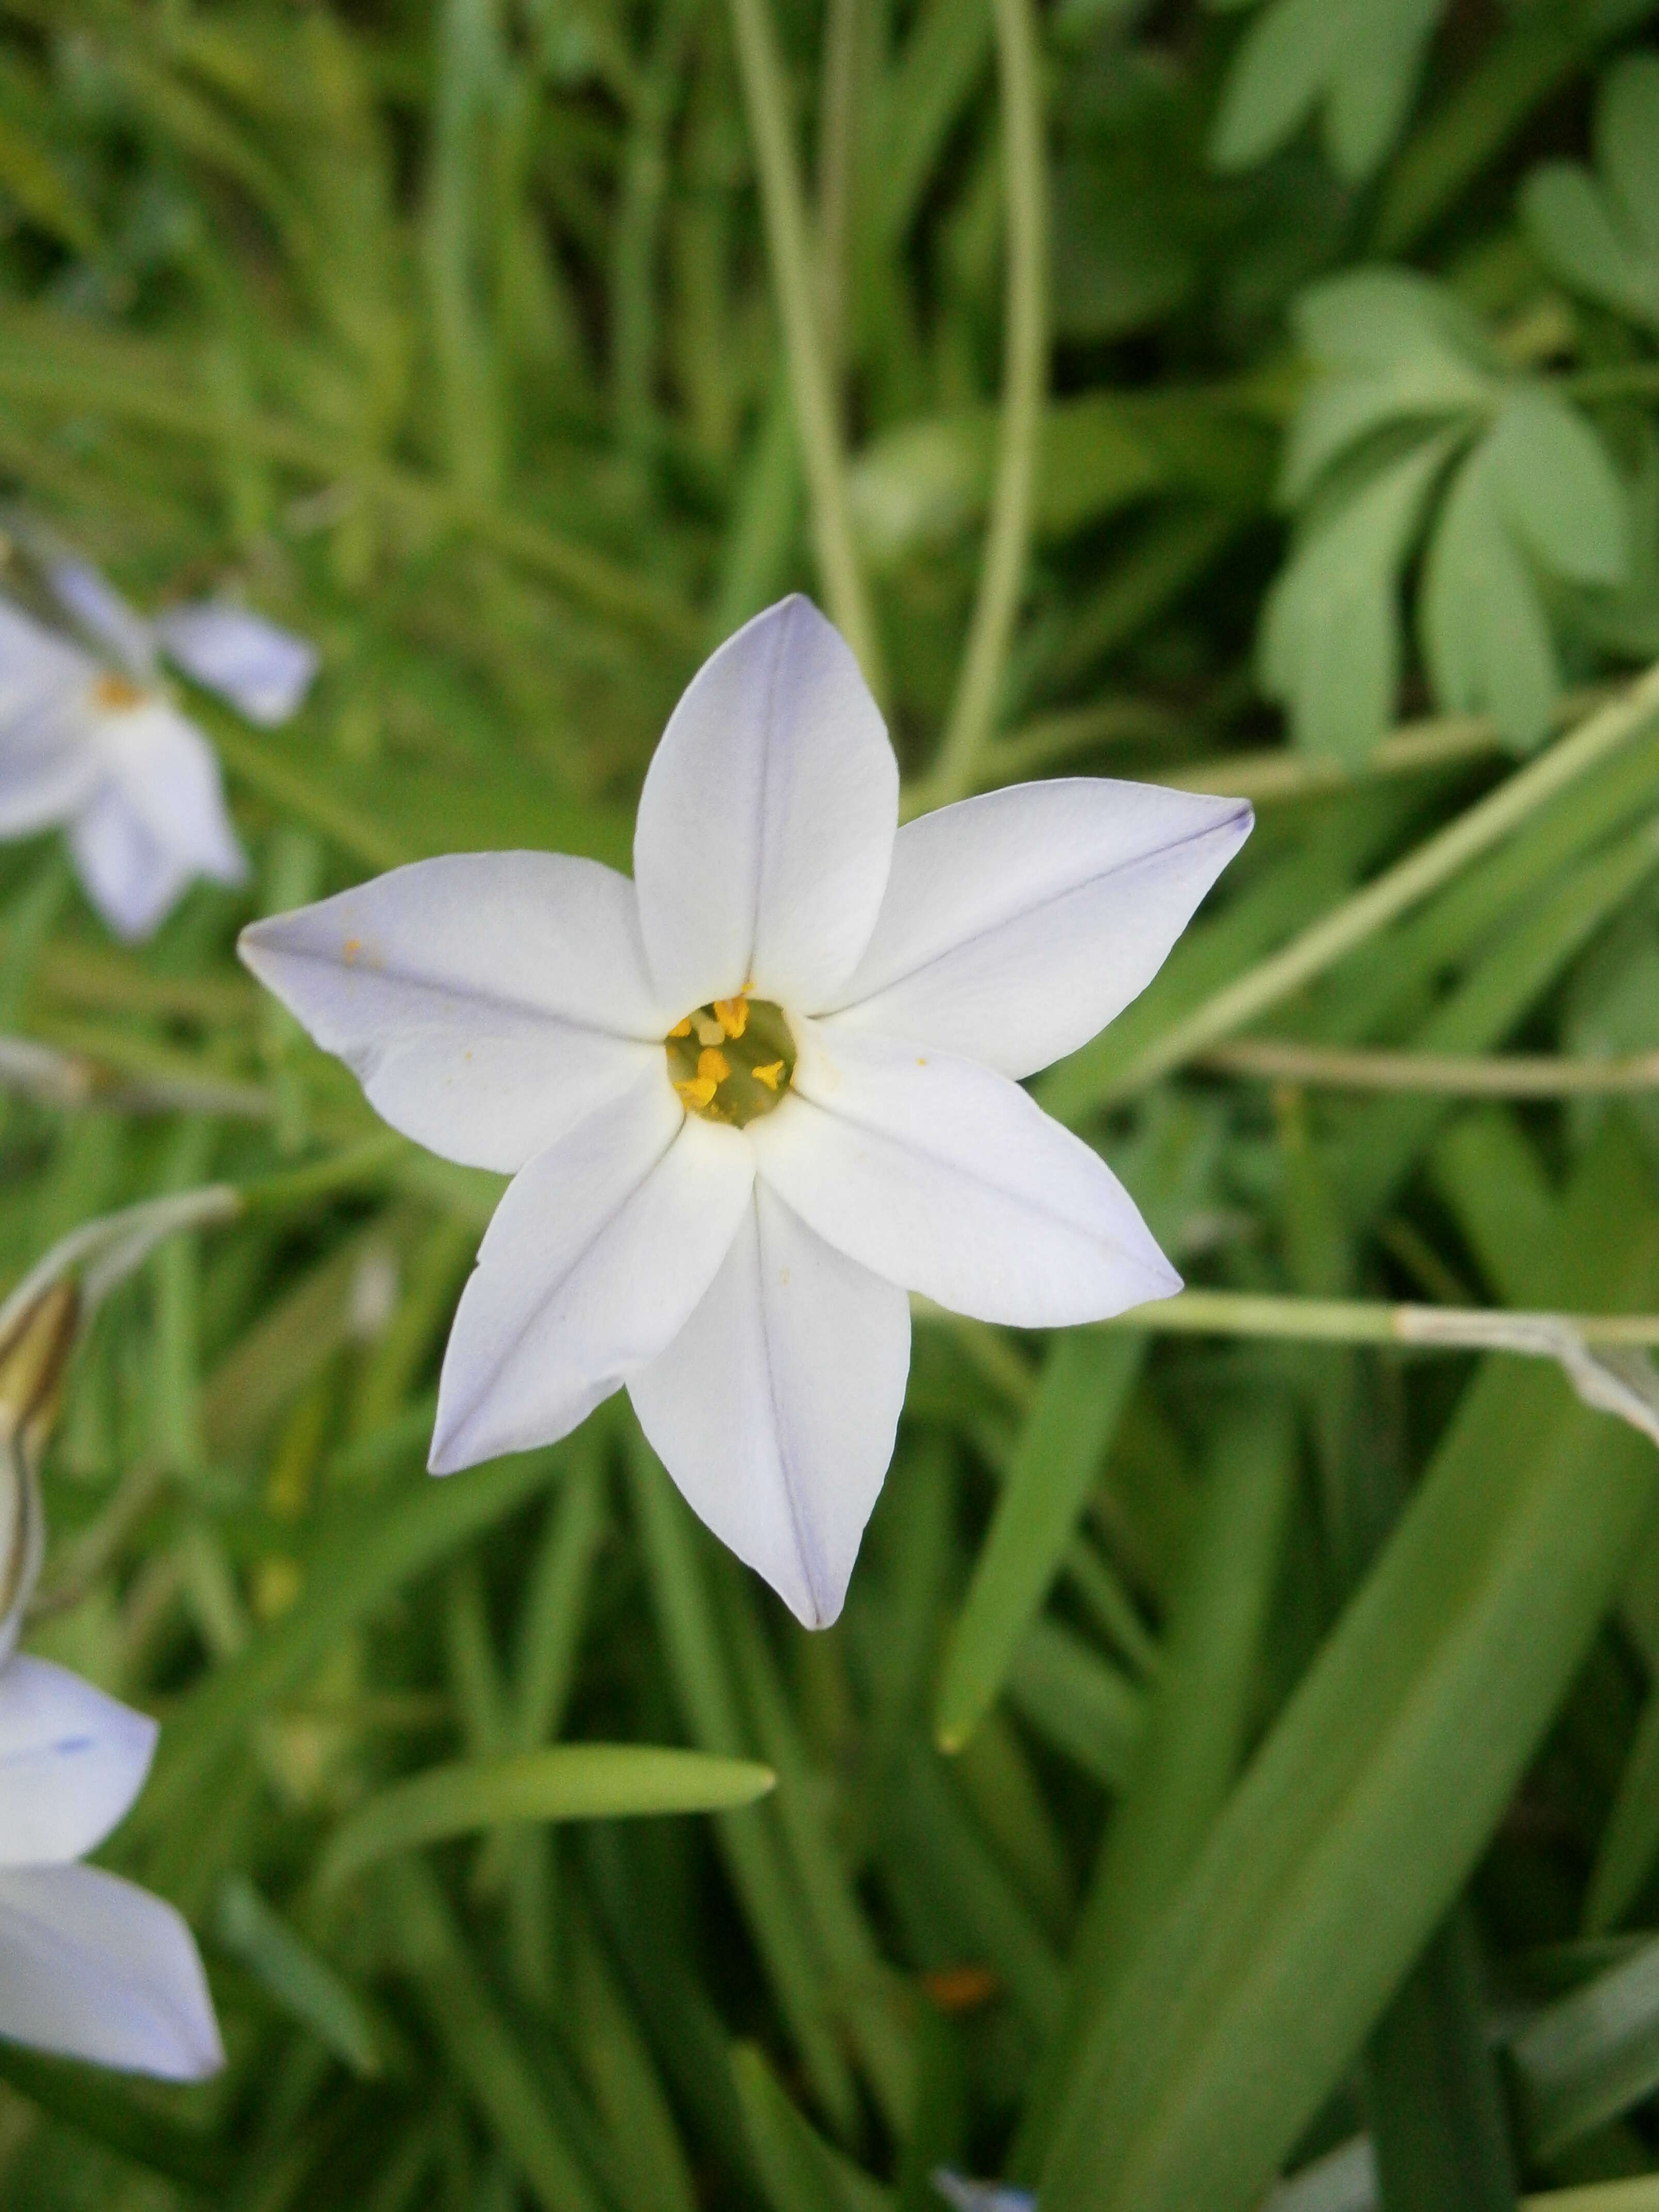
(837, 140)
(1449, 1074)
(1404, 885)
(1007, 545)
(793, 277)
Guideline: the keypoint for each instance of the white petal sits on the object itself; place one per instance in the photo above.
(766, 824)
(132, 880)
(72, 1762)
(944, 1176)
(94, 1967)
(1017, 925)
(104, 615)
(168, 773)
(488, 1001)
(597, 1255)
(47, 765)
(263, 671)
(774, 1408)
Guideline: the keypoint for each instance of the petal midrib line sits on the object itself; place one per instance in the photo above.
(1066, 1221)
(808, 1549)
(958, 945)
(457, 996)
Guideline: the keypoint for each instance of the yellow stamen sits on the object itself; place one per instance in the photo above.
(733, 1015)
(713, 1066)
(682, 1028)
(768, 1075)
(697, 1090)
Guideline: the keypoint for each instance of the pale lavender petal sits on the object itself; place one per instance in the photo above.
(263, 671)
(72, 1762)
(766, 824)
(92, 1967)
(775, 1406)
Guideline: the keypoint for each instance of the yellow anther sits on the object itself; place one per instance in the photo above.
(713, 1066)
(768, 1075)
(682, 1028)
(709, 1032)
(697, 1090)
(733, 1015)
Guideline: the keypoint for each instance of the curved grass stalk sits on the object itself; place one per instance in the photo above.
(1007, 545)
(793, 266)
(1453, 1075)
(1398, 889)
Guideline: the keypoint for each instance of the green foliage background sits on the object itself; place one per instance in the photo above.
(1238, 1743)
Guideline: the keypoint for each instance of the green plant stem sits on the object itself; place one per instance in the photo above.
(1008, 538)
(837, 135)
(1398, 889)
(1362, 1320)
(766, 99)
(1453, 1074)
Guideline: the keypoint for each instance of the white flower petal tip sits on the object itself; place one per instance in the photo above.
(486, 1002)
(103, 615)
(947, 1178)
(596, 1258)
(264, 672)
(765, 828)
(71, 1762)
(1017, 925)
(776, 1407)
(965, 2196)
(92, 1967)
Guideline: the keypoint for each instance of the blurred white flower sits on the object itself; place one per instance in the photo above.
(753, 1097)
(91, 1966)
(97, 745)
(967, 2195)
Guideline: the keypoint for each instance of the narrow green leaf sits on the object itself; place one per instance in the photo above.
(85, 2098)
(1591, 2055)
(563, 1782)
(799, 2171)
(302, 1982)
(1368, 1804)
(1630, 1842)
(1197, 1717)
(1436, 2104)
(1085, 1385)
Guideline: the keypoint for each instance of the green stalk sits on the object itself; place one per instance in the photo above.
(1007, 546)
(767, 99)
(1400, 887)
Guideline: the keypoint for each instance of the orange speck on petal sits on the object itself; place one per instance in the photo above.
(118, 694)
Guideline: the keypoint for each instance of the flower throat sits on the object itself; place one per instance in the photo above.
(732, 1060)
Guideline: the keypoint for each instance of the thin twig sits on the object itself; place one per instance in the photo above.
(1458, 1075)
(792, 265)
(1008, 537)
(1398, 889)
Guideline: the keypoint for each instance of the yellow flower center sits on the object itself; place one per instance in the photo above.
(732, 1059)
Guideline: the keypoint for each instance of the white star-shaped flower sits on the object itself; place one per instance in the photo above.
(96, 743)
(91, 1966)
(754, 1098)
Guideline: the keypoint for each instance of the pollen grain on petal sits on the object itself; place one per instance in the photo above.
(118, 694)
